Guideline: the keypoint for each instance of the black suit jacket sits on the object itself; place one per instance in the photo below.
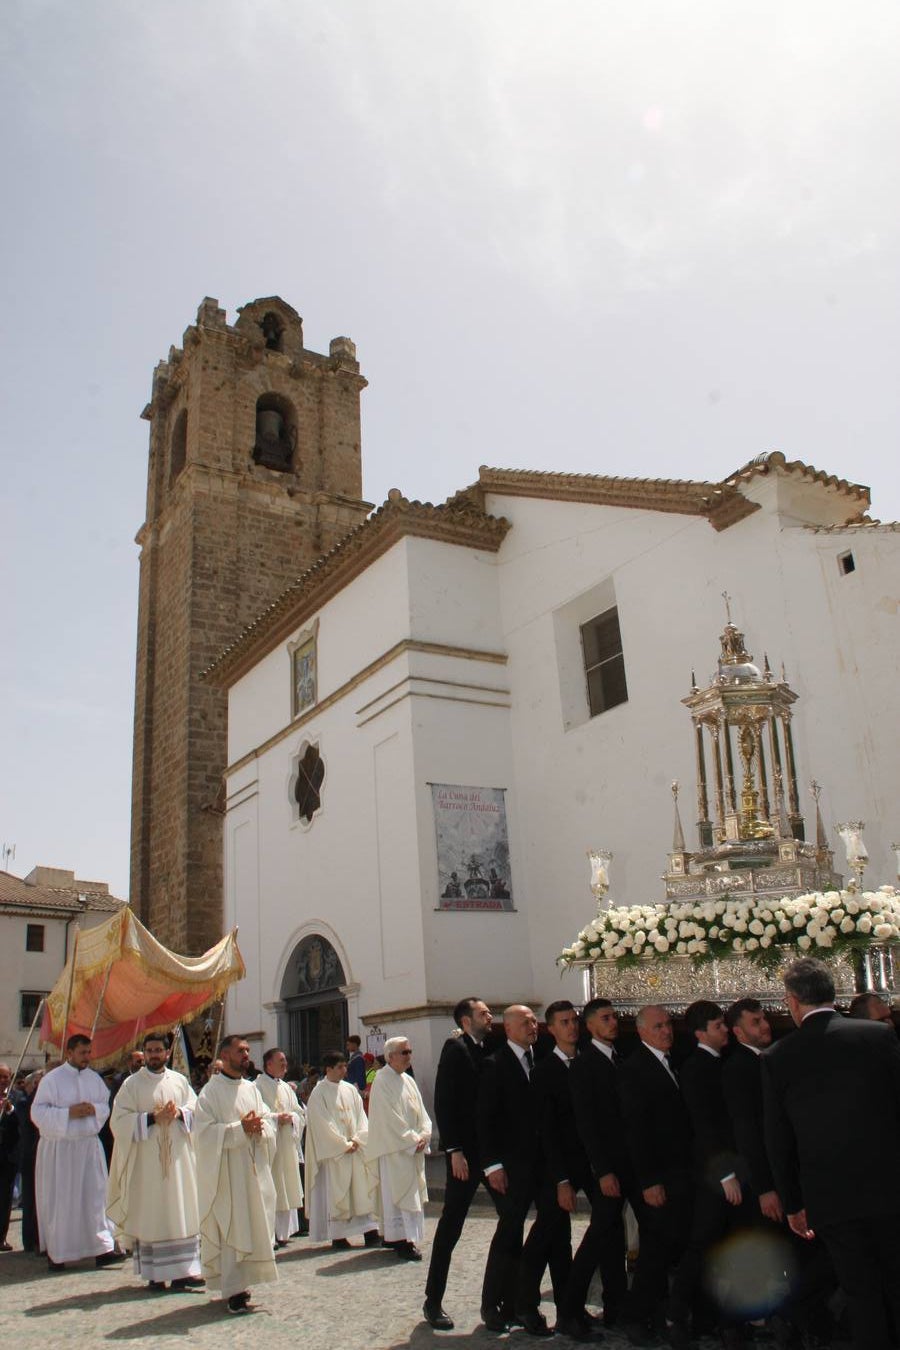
(598, 1113)
(657, 1126)
(713, 1150)
(831, 1092)
(742, 1084)
(507, 1128)
(456, 1096)
(562, 1154)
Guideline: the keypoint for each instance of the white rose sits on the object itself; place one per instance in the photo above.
(826, 937)
(852, 907)
(752, 944)
(738, 944)
(799, 920)
(785, 925)
(682, 948)
(804, 942)
(714, 931)
(740, 925)
(757, 928)
(765, 942)
(661, 944)
(847, 925)
(837, 914)
(884, 931)
(863, 923)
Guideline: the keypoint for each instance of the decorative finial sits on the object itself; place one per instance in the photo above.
(693, 681)
(767, 669)
(783, 674)
(727, 598)
(821, 837)
(678, 835)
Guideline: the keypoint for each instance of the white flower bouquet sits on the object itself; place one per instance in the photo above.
(830, 922)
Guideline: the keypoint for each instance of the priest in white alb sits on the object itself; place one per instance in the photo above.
(234, 1140)
(152, 1198)
(399, 1134)
(69, 1109)
(288, 1117)
(339, 1189)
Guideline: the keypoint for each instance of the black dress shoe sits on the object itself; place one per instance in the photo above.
(158, 1286)
(436, 1317)
(535, 1323)
(340, 1245)
(494, 1320)
(372, 1237)
(55, 1265)
(576, 1330)
(112, 1258)
(188, 1282)
(408, 1251)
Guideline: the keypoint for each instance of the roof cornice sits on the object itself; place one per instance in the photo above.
(720, 503)
(459, 521)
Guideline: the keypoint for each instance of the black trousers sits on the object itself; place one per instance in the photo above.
(458, 1196)
(866, 1256)
(664, 1236)
(501, 1273)
(603, 1248)
(8, 1172)
(713, 1219)
(549, 1243)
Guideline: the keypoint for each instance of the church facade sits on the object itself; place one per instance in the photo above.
(431, 726)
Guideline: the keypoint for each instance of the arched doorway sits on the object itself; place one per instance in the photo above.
(313, 1008)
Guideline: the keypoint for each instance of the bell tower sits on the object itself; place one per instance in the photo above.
(254, 472)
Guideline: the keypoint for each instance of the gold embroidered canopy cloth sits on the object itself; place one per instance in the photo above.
(137, 984)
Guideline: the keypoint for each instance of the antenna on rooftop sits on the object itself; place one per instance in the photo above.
(9, 852)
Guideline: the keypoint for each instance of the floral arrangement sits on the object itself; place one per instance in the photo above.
(832, 922)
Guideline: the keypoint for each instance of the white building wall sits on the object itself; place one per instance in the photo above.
(490, 692)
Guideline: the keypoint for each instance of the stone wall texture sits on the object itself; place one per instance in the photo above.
(222, 538)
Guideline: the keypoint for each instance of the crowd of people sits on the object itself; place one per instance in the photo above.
(730, 1193)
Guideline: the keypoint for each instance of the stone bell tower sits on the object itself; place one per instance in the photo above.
(254, 472)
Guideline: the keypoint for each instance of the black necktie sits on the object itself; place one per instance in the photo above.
(615, 1057)
(669, 1067)
(528, 1057)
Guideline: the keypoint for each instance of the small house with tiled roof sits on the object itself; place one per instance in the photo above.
(38, 917)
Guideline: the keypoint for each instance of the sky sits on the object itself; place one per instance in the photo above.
(653, 239)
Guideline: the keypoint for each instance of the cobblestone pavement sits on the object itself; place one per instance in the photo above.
(324, 1300)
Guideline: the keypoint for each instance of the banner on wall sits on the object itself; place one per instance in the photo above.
(472, 847)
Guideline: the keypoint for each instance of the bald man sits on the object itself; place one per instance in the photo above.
(508, 1147)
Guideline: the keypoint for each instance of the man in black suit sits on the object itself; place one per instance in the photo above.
(806, 1303)
(832, 1118)
(598, 1117)
(564, 1172)
(455, 1097)
(718, 1195)
(508, 1149)
(658, 1134)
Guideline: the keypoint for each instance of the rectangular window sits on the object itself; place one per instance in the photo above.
(28, 1006)
(34, 937)
(604, 663)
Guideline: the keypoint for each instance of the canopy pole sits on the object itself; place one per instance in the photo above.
(65, 1025)
(40, 1009)
(102, 997)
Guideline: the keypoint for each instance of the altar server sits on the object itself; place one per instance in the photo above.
(235, 1143)
(70, 1108)
(339, 1189)
(288, 1118)
(399, 1134)
(152, 1196)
